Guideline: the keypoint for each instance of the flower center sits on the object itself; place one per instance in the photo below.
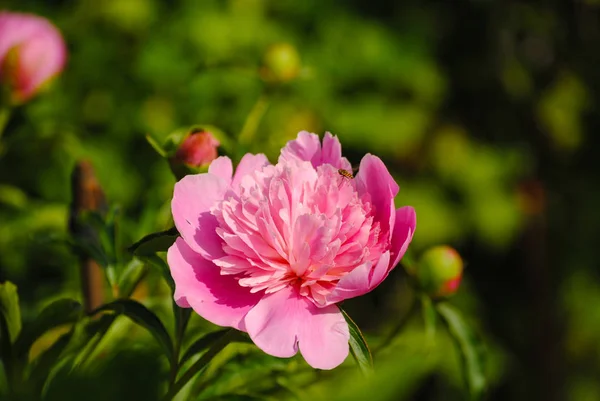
(292, 224)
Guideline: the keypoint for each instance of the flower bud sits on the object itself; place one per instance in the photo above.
(439, 271)
(281, 63)
(198, 149)
(32, 51)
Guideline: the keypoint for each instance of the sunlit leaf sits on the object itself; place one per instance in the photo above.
(132, 275)
(47, 360)
(216, 346)
(470, 346)
(145, 318)
(10, 312)
(206, 341)
(358, 346)
(62, 311)
(155, 242)
(159, 264)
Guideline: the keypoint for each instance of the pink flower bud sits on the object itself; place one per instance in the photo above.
(439, 271)
(32, 51)
(198, 149)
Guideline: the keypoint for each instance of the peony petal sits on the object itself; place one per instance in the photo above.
(404, 229)
(323, 337)
(273, 323)
(332, 153)
(199, 284)
(374, 178)
(306, 147)
(249, 164)
(283, 321)
(193, 197)
(222, 167)
(361, 280)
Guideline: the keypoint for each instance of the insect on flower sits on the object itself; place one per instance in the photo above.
(260, 249)
(345, 173)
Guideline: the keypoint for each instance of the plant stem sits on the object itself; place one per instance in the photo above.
(200, 364)
(398, 328)
(87, 195)
(182, 317)
(4, 117)
(253, 120)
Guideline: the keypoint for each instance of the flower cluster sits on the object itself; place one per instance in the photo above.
(271, 249)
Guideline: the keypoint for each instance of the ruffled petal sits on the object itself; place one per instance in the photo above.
(307, 147)
(283, 321)
(332, 153)
(199, 284)
(249, 164)
(193, 197)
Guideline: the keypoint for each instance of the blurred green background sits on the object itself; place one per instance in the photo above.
(482, 110)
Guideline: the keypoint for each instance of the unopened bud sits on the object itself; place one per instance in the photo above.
(198, 149)
(281, 63)
(439, 271)
(32, 52)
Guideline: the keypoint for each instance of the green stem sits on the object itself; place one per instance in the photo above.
(4, 117)
(182, 317)
(253, 120)
(200, 364)
(398, 328)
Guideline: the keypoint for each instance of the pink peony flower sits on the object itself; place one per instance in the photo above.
(198, 149)
(271, 249)
(32, 51)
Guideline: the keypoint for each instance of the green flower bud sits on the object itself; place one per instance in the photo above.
(439, 271)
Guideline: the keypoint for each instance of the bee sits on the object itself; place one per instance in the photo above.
(345, 173)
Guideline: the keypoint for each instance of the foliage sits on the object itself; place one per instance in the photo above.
(483, 110)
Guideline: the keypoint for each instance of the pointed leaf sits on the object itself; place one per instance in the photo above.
(216, 346)
(156, 146)
(358, 346)
(159, 264)
(10, 312)
(145, 318)
(62, 311)
(470, 346)
(47, 360)
(155, 242)
(202, 344)
(130, 278)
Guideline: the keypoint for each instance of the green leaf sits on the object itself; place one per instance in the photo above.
(145, 318)
(10, 326)
(62, 311)
(156, 146)
(130, 278)
(47, 360)
(155, 242)
(202, 344)
(216, 346)
(159, 264)
(10, 312)
(358, 346)
(470, 346)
